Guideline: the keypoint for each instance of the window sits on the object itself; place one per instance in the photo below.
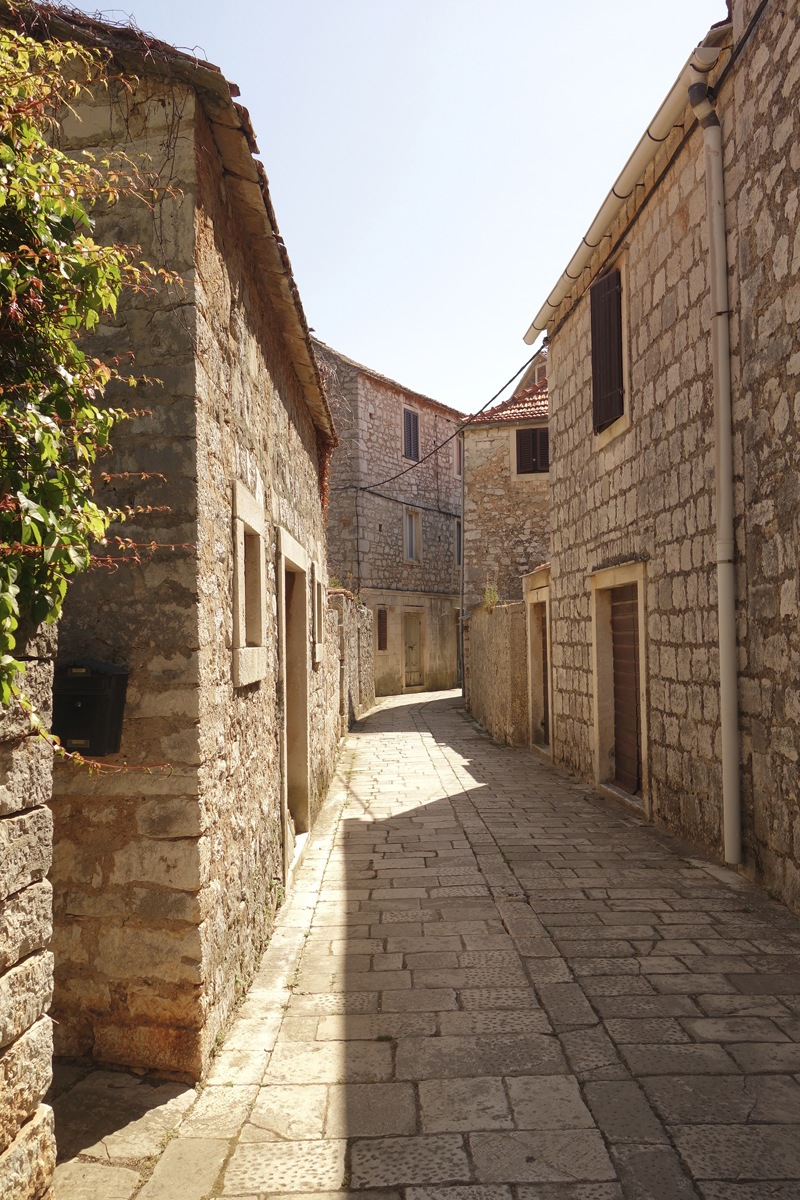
(412, 536)
(458, 543)
(533, 451)
(383, 629)
(607, 357)
(249, 590)
(458, 454)
(410, 434)
(317, 612)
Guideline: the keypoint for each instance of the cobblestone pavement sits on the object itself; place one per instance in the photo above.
(485, 985)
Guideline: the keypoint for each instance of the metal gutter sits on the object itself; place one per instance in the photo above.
(702, 60)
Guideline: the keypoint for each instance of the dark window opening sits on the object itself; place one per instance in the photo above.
(533, 451)
(382, 629)
(607, 389)
(410, 435)
(458, 543)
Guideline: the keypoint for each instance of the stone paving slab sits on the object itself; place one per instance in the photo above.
(486, 984)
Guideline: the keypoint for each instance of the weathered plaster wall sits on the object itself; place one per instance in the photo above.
(506, 516)
(27, 1144)
(650, 493)
(498, 694)
(166, 886)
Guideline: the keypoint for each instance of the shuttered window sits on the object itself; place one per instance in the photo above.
(410, 435)
(533, 451)
(607, 389)
(382, 629)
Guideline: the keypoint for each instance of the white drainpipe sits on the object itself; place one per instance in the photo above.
(694, 78)
(723, 437)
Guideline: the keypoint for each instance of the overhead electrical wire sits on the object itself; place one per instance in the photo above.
(349, 487)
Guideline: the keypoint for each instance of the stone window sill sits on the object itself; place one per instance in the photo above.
(249, 665)
(618, 427)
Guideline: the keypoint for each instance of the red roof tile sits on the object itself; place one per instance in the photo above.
(530, 405)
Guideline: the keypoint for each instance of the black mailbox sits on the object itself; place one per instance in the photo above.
(88, 703)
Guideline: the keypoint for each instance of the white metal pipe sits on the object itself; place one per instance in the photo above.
(723, 438)
(704, 58)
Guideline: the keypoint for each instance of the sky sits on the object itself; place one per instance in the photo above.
(434, 163)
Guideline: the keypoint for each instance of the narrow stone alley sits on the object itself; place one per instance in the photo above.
(485, 983)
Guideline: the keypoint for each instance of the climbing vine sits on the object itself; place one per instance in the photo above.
(56, 282)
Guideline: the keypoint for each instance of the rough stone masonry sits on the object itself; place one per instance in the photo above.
(27, 1142)
(166, 884)
(644, 491)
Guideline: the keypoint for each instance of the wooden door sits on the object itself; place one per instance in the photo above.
(627, 707)
(413, 665)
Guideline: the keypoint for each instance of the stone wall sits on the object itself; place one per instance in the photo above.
(498, 688)
(354, 657)
(365, 539)
(366, 549)
(649, 493)
(129, 860)
(506, 516)
(438, 635)
(27, 1144)
(166, 885)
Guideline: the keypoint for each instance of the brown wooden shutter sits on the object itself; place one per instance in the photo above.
(526, 452)
(606, 302)
(410, 435)
(543, 450)
(627, 709)
(382, 629)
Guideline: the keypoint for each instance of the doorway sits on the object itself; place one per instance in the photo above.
(619, 668)
(540, 676)
(412, 623)
(296, 708)
(627, 716)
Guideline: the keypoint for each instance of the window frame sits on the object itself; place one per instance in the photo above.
(249, 654)
(318, 594)
(415, 515)
(382, 612)
(537, 427)
(413, 413)
(458, 455)
(623, 422)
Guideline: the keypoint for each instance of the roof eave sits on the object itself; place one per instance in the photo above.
(245, 176)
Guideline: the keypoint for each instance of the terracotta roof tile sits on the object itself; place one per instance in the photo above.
(530, 405)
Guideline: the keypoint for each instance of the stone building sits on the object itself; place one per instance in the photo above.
(165, 883)
(27, 1144)
(506, 494)
(656, 679)
(394, 527)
